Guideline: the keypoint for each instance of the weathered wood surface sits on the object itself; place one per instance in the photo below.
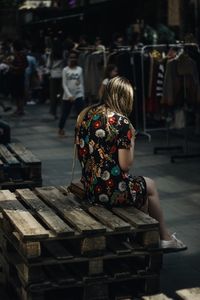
(189, 294)
(156, 297)
(135, 217)
(70, 210)
(50, 223)
(7, 156)
(20, 217)
(108, 218)
(19, 167)
(25, 155)
(62, 215)
(48, 216)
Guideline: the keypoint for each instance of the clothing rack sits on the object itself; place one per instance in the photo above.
(146, 49)
(79, 15)
(184, 149)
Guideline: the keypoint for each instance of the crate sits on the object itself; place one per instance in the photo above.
(19, 167)
(52, 244)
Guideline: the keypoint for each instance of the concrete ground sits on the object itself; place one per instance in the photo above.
(178, 184)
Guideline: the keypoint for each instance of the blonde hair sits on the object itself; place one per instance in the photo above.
(118, 95)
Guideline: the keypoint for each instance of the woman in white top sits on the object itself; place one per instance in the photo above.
(110, 72)
(72, 82)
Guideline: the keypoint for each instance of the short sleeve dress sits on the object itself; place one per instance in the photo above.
(100, 135)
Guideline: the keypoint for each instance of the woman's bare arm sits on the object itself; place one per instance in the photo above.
(126, 157)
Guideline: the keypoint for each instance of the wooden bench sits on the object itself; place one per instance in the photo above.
(50, 242)
(19, 167)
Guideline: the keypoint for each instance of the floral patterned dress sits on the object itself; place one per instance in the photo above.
(100, 135)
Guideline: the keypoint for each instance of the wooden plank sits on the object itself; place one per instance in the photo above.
(70, 210)
(77, 189)
(156, 297)
(136, 217)
(29, 249)
(25, 155)
(96, 244)
(19, 184)
(150, 238)
(7, 156)
(27, 226)
(189, 294)
(96, 266)
(104, 215)
(45, 213)
(107, 218)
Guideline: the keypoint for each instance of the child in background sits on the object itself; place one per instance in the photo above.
(72, 82)
(110, 72)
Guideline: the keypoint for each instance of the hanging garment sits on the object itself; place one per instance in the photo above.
(181, 84)
(160, 80)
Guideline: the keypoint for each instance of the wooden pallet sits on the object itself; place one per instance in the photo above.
(189, 294)
(156, 297)
(184, 294)
(19, 168)
(51, 241)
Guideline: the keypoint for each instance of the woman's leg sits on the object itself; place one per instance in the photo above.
(154, 208)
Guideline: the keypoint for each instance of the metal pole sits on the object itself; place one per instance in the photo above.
(196, 16)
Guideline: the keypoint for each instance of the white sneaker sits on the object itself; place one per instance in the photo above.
(172, 245)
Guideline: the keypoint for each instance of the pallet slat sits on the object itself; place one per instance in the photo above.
(23, 153)
(8, 156)
(189, 294)
(105, 216)
(23, 221)
(48, 216)
(108, 218)
(136, 217)
(70, 210)
(156, 297)
(19, 167)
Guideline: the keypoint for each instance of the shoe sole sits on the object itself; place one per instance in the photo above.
(171, 250)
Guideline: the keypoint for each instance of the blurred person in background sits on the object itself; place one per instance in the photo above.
(73, 87)
(55, 64)
(18, 66)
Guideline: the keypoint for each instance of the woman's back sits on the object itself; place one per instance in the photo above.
(101, 134)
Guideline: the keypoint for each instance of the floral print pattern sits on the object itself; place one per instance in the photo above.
(101, 133)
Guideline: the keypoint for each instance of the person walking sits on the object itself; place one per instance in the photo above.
(17, 71)
(73, 95)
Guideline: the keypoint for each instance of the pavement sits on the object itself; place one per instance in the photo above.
(178, 183)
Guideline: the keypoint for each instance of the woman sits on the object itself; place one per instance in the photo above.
(105, 141)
